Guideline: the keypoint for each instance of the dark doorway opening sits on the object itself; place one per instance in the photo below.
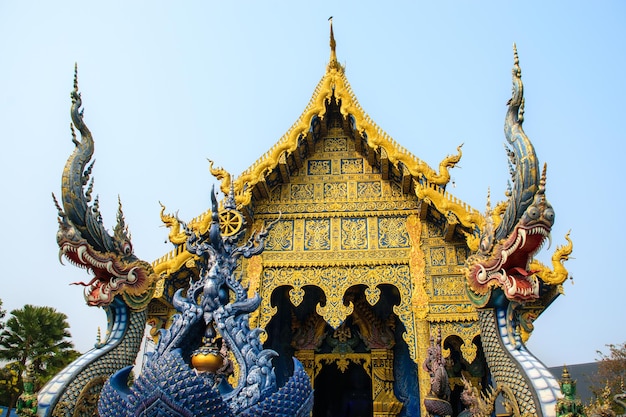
(343, 394)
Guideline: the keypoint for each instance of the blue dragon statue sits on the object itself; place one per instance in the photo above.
(209, 362)
(122, 284)
(501, 280)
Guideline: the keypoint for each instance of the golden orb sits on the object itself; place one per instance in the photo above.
(207, 361)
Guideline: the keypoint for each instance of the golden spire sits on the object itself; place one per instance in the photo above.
(333, 44)
(333, 64)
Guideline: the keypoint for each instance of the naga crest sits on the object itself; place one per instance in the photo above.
(82, 237)
(507, 249)
(209, 362)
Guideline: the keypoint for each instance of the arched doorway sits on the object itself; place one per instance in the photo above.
(351, 367)
(458, 368)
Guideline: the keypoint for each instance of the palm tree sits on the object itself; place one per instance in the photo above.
(38, 336)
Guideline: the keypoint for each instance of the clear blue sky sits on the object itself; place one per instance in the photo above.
(166, 85)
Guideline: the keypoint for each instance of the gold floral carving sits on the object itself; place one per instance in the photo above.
(334, 281)
(372, 294)
(335, 144)
(352, 166)
(317, 234)
(369, 189)
(322, 167)
(373, 207)
(353, 234)
(392, 232)
(342, 361)
(302, 192)
(296, 296)
(335, 191)
(280, 237)
(334, 311)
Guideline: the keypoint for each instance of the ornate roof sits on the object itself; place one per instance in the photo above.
(377, 145)
(333, 95)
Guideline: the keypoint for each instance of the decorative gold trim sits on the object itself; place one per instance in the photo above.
(446, 203)
(342, 361)
(417, 263)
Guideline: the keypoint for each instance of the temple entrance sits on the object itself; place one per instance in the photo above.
(346, 393)
(352, 366)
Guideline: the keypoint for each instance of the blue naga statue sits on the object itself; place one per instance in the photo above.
(209, 344)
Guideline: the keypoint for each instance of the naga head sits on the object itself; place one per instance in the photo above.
(507, 264)
(507, 249)
(82, 237)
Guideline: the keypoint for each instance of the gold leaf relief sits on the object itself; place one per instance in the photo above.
(392, 232)
(369, 189)
(319, 167)
(335, 191)
(302, 191)
(437, 256)
(335, 144)
(352, 166)
(448, 286)
(280, 237)
(353, 234)
(317, 234)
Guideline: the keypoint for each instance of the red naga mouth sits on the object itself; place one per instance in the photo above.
(110, 275)
(509, 265)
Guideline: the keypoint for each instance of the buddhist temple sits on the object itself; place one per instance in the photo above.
(395, 297)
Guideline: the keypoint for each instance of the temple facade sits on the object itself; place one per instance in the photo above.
(363, 267)
(335, 276)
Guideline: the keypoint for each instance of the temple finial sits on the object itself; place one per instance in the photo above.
(333, 44)
(333, 64)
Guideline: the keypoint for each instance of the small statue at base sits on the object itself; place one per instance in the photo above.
(437, 402)
(27, 401)
(569, 405)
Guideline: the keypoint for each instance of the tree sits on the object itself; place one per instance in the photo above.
(2, 314)
(611, 377)
(37, 336)
(9, 383)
